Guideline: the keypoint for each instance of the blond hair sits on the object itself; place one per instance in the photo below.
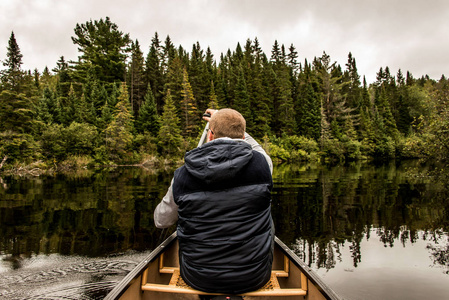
(229, 123)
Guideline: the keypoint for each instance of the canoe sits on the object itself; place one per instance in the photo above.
(157, 277)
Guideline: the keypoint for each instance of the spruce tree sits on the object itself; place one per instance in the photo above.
(308, 111)
(119, 135)
(169, 135)
(148, 119)
(241, 101)
(189, 111)
(48, 108)
(154, 73)
(63, 77)
(174, 80)
(12, 75)
(213, 101)
(68, 110)
(136, 78)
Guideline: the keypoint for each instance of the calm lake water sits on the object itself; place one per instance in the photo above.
(371, 232)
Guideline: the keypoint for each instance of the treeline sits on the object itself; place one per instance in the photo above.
(116, 105)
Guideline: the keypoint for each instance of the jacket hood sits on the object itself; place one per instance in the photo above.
(218, 160)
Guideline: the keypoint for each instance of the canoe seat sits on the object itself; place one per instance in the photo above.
(177, 285)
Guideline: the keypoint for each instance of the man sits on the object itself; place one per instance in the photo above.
(221, 199)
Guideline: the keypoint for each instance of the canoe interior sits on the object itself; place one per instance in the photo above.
(166, 256)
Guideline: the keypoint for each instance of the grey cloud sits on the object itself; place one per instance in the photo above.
(395, 33)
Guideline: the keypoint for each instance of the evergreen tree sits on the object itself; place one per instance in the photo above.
(213, 102)
(276, 55)
(385, 115)
(48, 108)
(174, 81)
(308, 109)
(136, 78)
(84, 111)
(15, 112)
(333, 100)
(286, 109)
(168, 53)
(241, 101)
(68, 110)
(170, 139)
(12, 76)
(103, 48)
(148, 119)
(119, 135)
(63, 77)
(107, 115)
(352, 88)
(189, 111)
(154, 73)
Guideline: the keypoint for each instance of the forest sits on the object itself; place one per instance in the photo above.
(115, 105)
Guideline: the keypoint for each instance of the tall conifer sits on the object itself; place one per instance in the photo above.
(169, 134)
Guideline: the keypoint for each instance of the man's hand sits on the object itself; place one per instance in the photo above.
(208, 114)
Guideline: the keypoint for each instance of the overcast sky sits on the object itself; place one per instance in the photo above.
(411, 35)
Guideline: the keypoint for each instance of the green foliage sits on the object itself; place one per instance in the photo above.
(119, 132)
(292, 148)
(145, 144)
(12, 77)
(81, 139)
(18, 147)
(52, 143)
(103, 50)
(308, 109)
(170, 140)
(413, 146)
(59, 142)
(148, 119)
(333, 150)
(16, 113)
(189, 111)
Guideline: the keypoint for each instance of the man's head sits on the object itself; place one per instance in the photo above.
(229, 123)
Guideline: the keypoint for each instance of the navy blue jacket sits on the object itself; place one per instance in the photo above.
(225, 230)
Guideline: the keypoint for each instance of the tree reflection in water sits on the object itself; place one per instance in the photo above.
(330, 216)
(320, 210)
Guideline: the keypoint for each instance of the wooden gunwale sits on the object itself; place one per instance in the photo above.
(138, 272)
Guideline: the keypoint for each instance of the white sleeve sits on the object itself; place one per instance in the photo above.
(166, 212)
(255, 145)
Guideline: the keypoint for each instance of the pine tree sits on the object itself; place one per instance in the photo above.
(308, 109)
(352, 88)
(168, 53)
(68, 110)
(189, 110)
(48, 108)
(84, 111)
(169, 135)
(106, 117)
(119, 135)
(213, 102)
(154, 73)
(385, 114)
(241, 101)
(148, 119)
(174, 80)
(103, 48)
(136, 78)
(63, 77)
(12, 76)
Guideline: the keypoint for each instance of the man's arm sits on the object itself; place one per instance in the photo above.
(166, 212)
(256, 147)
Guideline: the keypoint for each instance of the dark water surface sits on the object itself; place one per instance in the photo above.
(371, 232)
